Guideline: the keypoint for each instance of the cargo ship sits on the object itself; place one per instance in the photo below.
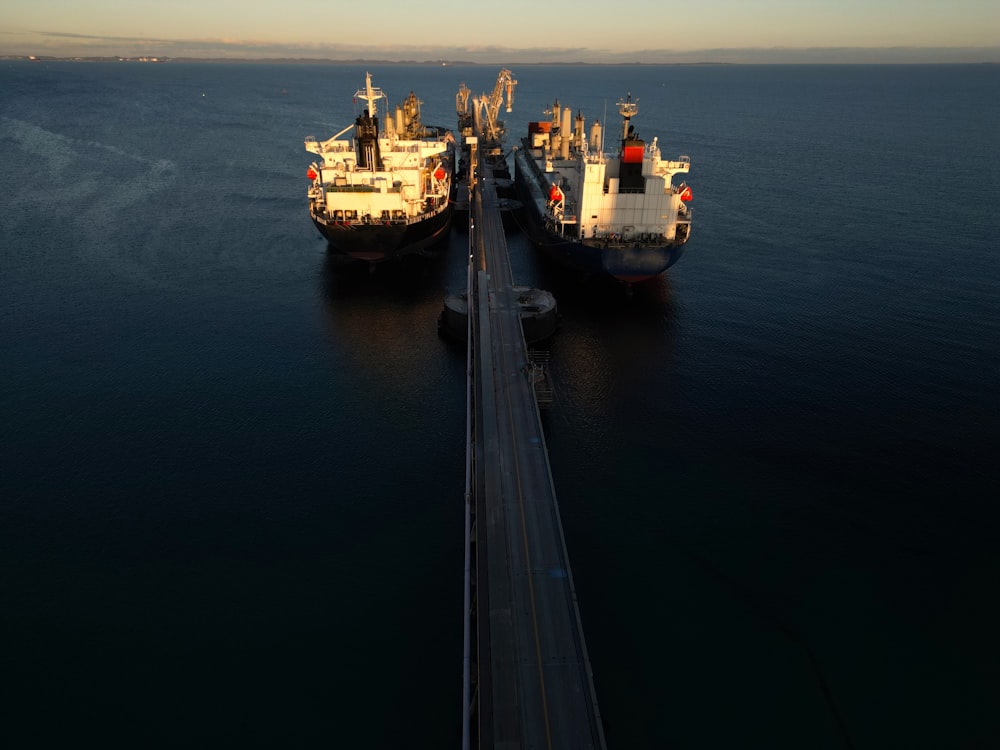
(383, 191)
(617, 215)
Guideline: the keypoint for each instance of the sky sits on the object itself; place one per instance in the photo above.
(521, 31)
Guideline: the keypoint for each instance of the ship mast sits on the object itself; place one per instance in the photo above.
(627, 110)
(366, 129)
(370, 94)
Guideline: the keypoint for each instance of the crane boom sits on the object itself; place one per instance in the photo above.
(505, 84)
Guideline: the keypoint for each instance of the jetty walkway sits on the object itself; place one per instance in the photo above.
(528, 680)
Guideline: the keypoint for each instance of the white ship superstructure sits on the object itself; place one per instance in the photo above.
(383, 191)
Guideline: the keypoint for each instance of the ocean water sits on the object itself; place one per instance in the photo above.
(232, 475)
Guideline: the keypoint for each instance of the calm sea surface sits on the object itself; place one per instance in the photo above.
(232, 470)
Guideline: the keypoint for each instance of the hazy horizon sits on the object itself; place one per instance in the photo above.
(206, 50)
(715, 31)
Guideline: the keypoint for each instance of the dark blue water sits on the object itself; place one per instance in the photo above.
(232, 470)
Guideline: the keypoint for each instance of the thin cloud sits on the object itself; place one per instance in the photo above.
(68, 44)
(70, 35)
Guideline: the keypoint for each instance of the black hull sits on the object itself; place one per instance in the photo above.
(377, 243)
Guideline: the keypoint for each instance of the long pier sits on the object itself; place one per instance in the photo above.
(527, 678)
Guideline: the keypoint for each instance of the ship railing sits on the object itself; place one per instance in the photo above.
(353, 217)
(332, 187)
(337, 147)
(676, 165)
(365, 220)
(331, 146)
(620, 241)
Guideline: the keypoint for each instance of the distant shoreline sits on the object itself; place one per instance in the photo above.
(158, 60)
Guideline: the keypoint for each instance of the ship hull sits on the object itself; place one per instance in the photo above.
(376, 243)
(629, 263)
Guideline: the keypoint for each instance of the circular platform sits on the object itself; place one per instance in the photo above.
(539, 314)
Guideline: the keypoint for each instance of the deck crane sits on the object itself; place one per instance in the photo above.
(465, 118)
(493, 130)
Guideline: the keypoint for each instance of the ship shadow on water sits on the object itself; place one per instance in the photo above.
(409, 277)
(613, 344)
(386, 318)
